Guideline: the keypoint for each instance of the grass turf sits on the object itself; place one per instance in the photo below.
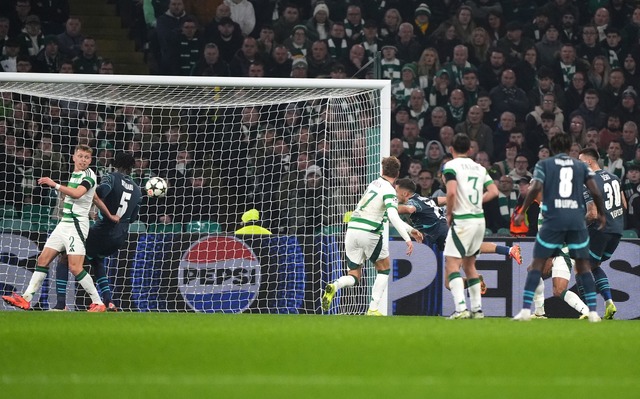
(134, 355)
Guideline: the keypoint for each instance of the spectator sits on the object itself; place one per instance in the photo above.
(298, 44)
(414, 145)
(167, 25)
(23, 63)
(437, 120)
(49, 60)
(632, 181)
(628, 107)
(495, 25)
(463, 23)
(299, 68)
(446, 136)
(530, 227)
(527, 69)
(491, 70)
(611, 93)
(70, 41)
(354, 23)
(614, 48)
(567, 65)
(501, 134)
(243, 14)
(574, 95)
(53, 15)
(418, 107)
(370, 40)
(229, 39)
(244, 57)
(508, 163)
(559, 8)
(629, 140)
(470, 86)
(47, 160)
(613, 161)
(590, 110)
(390, 64)
(4, 33)
(408, 47)
(536, 29)
(545, 85)
(509, 97)
(433, 158)
(18, 17)
(498, 211)
(338, 42)
(309, 202)
(590, 46)
(390, 25)
(533, 119)
(458, 65)
(541, 134)
(8, 62)
(477, 130)
(210, 64)
(400, 117)
(549, 46)
(320, 62)
(184, 49)
(266, 43)
(31, 39)
(426, 183)
(427, 67)
(284, 25)
(479, 46)
(521, 168)
(397, 150)
(88, 61)
(422, 26)
(440, 91)
(514, 44)
(319, 25)
(631, 70)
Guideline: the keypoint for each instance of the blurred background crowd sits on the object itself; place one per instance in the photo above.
(508, 74)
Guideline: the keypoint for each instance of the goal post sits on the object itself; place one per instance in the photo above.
(299, 151)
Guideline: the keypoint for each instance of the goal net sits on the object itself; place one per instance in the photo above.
(299, 151)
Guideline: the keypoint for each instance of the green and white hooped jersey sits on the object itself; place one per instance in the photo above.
(79, 208)
(371, 212)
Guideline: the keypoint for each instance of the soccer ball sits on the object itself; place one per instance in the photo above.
(156, 187)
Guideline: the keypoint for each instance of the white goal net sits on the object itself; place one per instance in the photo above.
(299, 151)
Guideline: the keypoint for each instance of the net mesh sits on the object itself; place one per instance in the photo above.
(300, 156)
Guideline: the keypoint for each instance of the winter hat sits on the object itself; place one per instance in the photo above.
(423, 9)
(321, 7)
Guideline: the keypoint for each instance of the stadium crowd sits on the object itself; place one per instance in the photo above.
(511, 75)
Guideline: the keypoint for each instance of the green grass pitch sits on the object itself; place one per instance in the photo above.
(134, 355)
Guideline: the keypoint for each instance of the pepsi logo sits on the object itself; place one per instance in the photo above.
(219, 274)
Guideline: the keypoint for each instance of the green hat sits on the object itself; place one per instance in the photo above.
(410, 67)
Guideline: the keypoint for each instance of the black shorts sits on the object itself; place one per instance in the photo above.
(103, 242)
(602, 246)
(549, 241)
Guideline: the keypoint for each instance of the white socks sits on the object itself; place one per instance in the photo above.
(379, 285)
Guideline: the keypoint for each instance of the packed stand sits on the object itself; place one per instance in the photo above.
(508, 74)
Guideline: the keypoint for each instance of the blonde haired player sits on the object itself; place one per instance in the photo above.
(466, 181)
(69, 235)
(364, 238)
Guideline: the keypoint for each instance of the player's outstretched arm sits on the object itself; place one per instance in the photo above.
(104, 210)
(74, 193)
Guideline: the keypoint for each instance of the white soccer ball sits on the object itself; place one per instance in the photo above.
(156, 187)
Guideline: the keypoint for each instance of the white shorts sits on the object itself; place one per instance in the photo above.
(361, 245)
(465, 238)
(65, 237)
(560, 268)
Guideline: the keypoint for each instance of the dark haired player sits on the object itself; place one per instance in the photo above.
(122, 196)
(561, 179)
(602, 243)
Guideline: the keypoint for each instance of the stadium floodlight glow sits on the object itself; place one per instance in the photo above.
(300, 151)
